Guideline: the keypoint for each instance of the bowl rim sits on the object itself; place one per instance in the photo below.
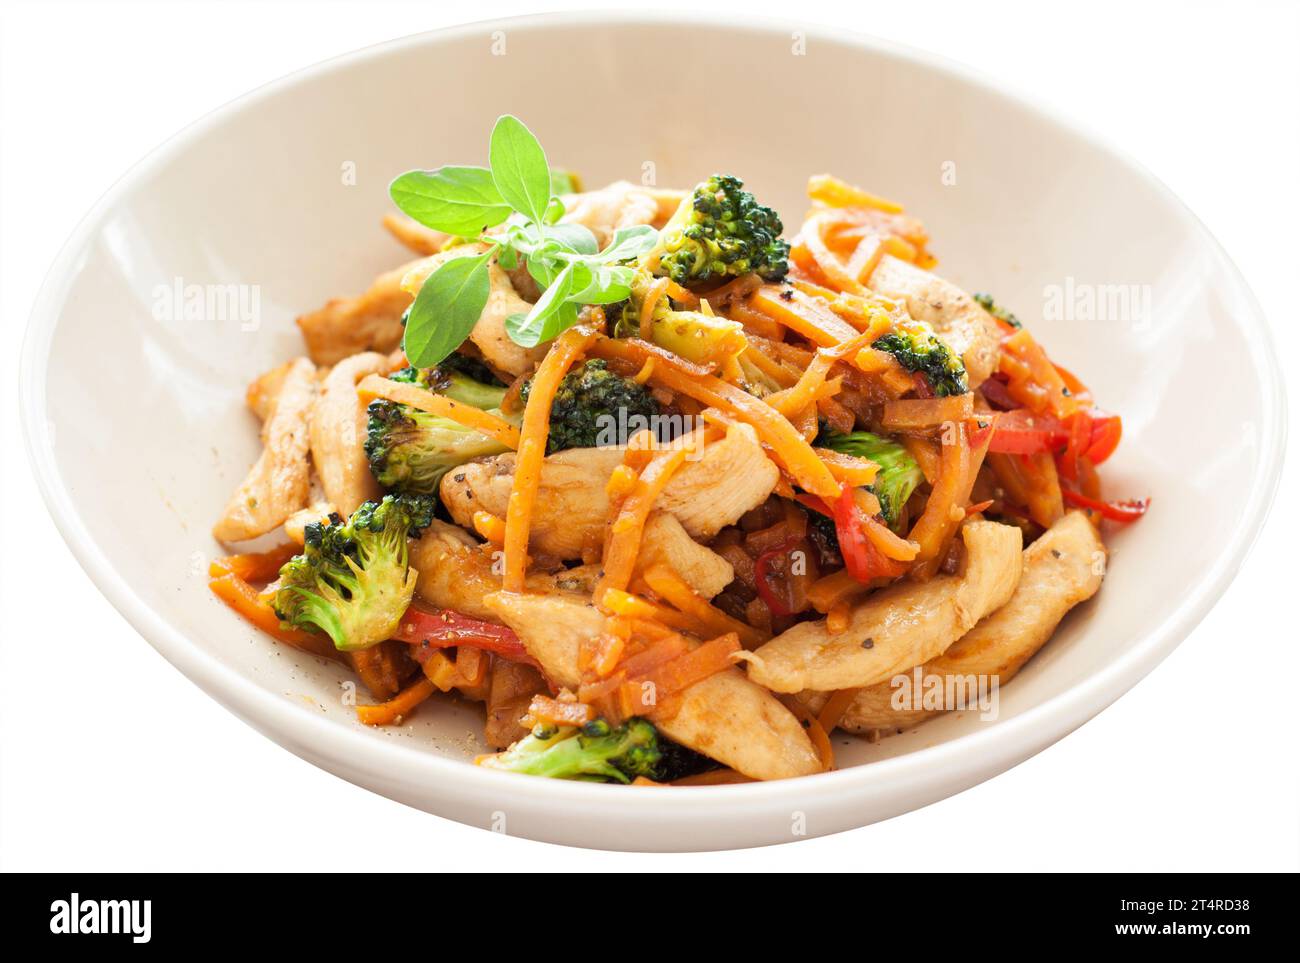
(339, 748)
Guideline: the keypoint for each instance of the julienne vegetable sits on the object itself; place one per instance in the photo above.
(671, 469)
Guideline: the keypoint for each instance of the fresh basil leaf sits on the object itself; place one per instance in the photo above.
(519, 167)
(540, 324)
(457, 200)
(563, 182)
(575, 237)
(630, 243)
(599, 284)
(446, 310)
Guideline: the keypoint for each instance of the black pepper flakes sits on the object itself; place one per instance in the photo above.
(868, 643)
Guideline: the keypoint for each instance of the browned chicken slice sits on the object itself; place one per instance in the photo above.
(456, 573)
(726, 716)
(620, 204)
(965, 326)
(371, 322)
(732, 476)
(338, 433)
(414, 235)
(277, 484)
(489, 334)
(897, 627)
(265, 389)
(1063, 568)
(510, 692)
(666, 542)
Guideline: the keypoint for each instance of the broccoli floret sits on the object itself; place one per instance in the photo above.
(918, 348)
(986, 302)
(352, 580)
(899, 473)
(595, 406)
(460, 378)
(719, 231)
(596, 752)
(409, 449)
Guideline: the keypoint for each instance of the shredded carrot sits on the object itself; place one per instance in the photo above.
(249, 603)
(621, 481)
(959, 464)
(911, 413)
(714, 777)
(662, 650)
(679, 674)
(840, 617)
(832, 268)
(865, 257)
(807, 390)
(772, 428)
(625, 531)
(668, 585)
(565, 350)
(254, 566)
(889, 544)
(806, 316)
(830, 590)
(647, 369)
(656, 291)
(373, 386)
(398, 707)
(491, 527)
(848, 469)
(834, 192)
(835, 707)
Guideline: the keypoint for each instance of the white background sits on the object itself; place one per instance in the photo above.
(111, 760)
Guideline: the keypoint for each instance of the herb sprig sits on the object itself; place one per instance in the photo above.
(511, 207)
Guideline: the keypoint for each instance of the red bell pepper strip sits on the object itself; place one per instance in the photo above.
(1022, 432)
(1127, 510)
(1106, 432)
(445, 628)
(762, 569)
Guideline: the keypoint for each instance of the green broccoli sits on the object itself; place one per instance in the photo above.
(986, 302)
(598, 752)
(899, 473)
(409, 449)
(918, 348)
(594, 406)
(720, 230)
(352, 580)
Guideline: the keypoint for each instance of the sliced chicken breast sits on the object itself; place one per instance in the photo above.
(371, 322)
(726, 716)
(1062, 568)
(666, 542)
(338, 433)
(897, 627)
(621, 204)
(277, 485)
(956, 318)
(732, 476)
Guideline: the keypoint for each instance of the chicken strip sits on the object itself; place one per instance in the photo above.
(666, 542)
(620, 204)
(371, 322)
(414, 235)
(897, 627)
(265, 389)
(338, 434)
(489, 334)
(1063, 568)
(726, 716)
(965, 326)
(732, 476)
(278, 483)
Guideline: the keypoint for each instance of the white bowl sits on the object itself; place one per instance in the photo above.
(138, 433)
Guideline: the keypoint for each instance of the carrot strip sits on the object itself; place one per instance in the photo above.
(398, 707)
(491, 527)
(849, 469)
(373, 386)
(906, 413)
(656, 291)
(565, 350)
(679, 674)
(830, 590)
(248, 602)
(772, 428)
(669, 586)
(832, 267)
(833, 192)
(625, 532)
(254, 566)
(547, 711)
(805, 316)
(835, 707)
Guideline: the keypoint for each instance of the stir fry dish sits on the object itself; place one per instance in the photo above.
(672, 496)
